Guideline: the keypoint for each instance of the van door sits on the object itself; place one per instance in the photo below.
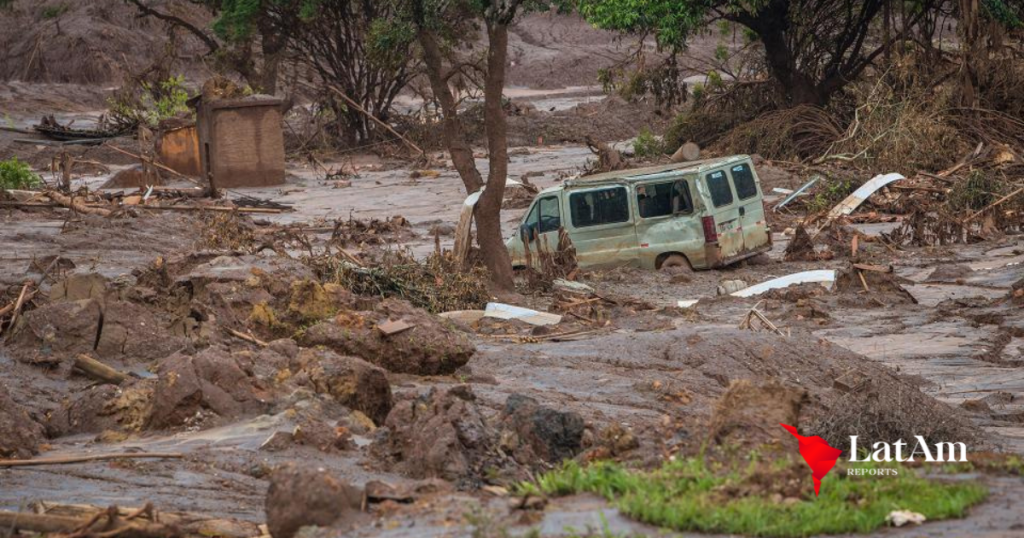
(726, 212)
(601, 226)
(666, 221)
(751, 208)
(542, 224)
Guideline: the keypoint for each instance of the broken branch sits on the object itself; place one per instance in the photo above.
(98, 371)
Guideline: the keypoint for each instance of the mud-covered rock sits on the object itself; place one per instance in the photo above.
(134, 332)
(442, 434)
(749, 414)
(352, 382)
(532, 431)
(300, 495)
(212, 381)
(430, 347)
(20, 435)
(86, 411)
(56, 331)
(80, 286)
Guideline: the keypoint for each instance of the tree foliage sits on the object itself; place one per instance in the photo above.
(812, 47)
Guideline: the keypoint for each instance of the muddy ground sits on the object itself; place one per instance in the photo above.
(655, 371)
(433, 424)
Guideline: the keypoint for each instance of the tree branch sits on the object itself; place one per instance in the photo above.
(147, 11)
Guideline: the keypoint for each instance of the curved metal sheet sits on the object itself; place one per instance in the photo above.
(854, 200)
(825, 277)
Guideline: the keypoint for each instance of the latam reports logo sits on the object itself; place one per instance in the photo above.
(818, 454)
(822, 457)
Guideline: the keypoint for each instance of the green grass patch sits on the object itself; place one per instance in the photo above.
(687, 495)
(15, 174)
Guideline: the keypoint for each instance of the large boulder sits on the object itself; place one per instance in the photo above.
(20, 435)
(352, 382)
(300, 496)
(442, 434)
(534, 432)
(211, 381)
(430, 347)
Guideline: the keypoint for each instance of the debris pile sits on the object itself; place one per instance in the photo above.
(360, 233)
(436, 284)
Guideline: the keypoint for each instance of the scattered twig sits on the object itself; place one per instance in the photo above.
(247, 337)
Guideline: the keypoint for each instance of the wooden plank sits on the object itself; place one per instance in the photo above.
(874, 268)
(391, 327)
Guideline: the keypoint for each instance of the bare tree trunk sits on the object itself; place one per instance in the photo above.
(454, 134)
(488, 210)
(971, 52)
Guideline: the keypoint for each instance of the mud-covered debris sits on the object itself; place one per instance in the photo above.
(442, 434)
(749, 414)
(534, 432)
(728, 287)
(800, 247)
(371, 232)
(56, 332)
(79, 286)
(431, 347)
(352, 382)
(377, 491)
(950, 272)
(302, 495)
(211, 382)
(20, 435)
(871, 288)
(1016, 293)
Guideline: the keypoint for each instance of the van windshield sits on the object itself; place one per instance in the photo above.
(718, 185)
(661, 199)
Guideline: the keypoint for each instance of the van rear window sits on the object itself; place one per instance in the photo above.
(743, 179)
(718, 184)
(606, 206)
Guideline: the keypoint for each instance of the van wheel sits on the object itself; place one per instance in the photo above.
(676, 264)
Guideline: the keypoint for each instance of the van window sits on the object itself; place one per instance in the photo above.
(718, 184)
(550, 216)
(743, 180)
(661, 199)
(606, 206)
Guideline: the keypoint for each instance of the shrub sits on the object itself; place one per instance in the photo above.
(647, 145)
(15, 174)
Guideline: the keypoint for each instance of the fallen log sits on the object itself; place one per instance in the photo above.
(107, 527)
(76, 205)
(92, 457)
(98, 371)
(189, 523)
(142, 159)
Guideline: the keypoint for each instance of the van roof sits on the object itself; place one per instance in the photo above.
(638, 174)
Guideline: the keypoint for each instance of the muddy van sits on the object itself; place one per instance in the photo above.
(699, 215)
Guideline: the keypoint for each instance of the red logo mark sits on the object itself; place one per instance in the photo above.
(818, 454)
